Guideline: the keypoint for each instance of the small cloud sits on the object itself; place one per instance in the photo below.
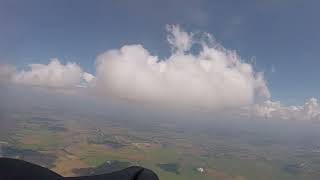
(53, 75)
(88, 77)
(275, 110)
(179, 40)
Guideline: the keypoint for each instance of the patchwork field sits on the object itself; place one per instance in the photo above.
(76, 146)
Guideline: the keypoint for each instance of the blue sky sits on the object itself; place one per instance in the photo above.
(282, 37)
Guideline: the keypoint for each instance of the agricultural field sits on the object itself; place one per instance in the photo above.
(75, 146)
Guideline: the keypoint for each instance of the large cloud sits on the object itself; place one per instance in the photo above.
(52, 75)
(214, 78)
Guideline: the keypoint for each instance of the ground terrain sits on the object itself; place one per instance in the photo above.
(76, 145)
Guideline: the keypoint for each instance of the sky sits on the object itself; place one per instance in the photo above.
(276, 38)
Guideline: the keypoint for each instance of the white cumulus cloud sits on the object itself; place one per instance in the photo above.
(275, 110)
(213, 78)
(52, 75)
